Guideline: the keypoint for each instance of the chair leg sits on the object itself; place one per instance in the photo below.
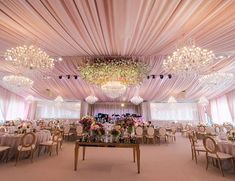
(220, 167)
(192, 153)
(17, 157)
(31, 155)
(57, 149)
(195, 155)
(207, 162)
(39, 150)
(233, 161)
(50, 150)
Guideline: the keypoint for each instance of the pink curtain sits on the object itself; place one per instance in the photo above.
(115, 108)
(12, 106)
(30, 110)
(222, 108)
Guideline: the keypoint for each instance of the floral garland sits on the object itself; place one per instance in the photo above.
(86, 122)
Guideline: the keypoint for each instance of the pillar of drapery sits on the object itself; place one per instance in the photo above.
(145, 111)
(30, 110)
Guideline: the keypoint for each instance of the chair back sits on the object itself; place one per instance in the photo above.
(150, 131)
(210, 145)
(66, 129)
(28, 140)
(55, 137)
(2, 130)
(173, 129)
(79, 129)
(217, 129)
(228, 127)
(162, 131)
(139, 131)
(201, 128)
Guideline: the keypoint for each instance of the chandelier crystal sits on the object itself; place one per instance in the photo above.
(172, 99)
(18, 81)
(91, 99)
(203, 101)
(113, 89)
(59, 99)
(136, 100)
(188, 60)
(216, 79)
(30, 57)
(30, 98)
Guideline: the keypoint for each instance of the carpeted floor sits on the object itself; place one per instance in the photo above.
(163, 163)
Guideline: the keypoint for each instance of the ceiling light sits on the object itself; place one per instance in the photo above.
(91, 99)
(188, 60)
(29, 98)
(59, 99)
(30, 57)
(172, 99)
(136, 100)
(18, 81)
(113, 89)
(203, 101)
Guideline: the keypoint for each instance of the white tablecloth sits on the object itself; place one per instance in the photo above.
(13, 140)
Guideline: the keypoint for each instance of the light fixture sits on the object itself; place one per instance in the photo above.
(122, 105)
(18, 81)
(216, 79)
(78, 105)
(30, 57)
(136, 100)
(169, 76)
(60, 77)
(113, 89)
(203, 101)
(30, 98)
(188, 60)
(91, 99)
(59, 99)
(172, 99)
(161, 76)
(114, 74)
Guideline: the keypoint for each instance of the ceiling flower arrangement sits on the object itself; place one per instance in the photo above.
(128, 71)
(113, 75)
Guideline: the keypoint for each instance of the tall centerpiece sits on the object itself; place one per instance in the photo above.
(86, 122)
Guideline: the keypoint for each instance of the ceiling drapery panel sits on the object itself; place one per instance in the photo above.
(147, 28)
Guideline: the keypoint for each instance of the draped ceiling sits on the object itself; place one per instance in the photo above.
(148, 29)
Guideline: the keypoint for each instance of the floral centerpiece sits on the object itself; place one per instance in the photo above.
(127, 123)
(97, 129)
(116, 131)
(86, 122)
(231, 135)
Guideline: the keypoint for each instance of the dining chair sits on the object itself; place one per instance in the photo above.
(195, 147)
(67, 132)
(27, 144)
(162, 134)
(139, 133)
(213, 152)
(50, 144)
(79, 131)
(172, 133)
(150, 135)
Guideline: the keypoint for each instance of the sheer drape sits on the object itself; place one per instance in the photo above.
(174, 112)
(114, 108)
(12, 106)
(145, 111)
(223, 108)
(50, 110)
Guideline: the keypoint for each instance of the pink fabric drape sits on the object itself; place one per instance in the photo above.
(7, 99)
(30, 110)
(223, 107)
(149, 30)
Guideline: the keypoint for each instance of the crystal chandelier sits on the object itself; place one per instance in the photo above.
(59, 99)
(172, 99)
(113, 89)
(203, 101)
(216, 79)
(136, 100)
(18, 81)
(30, 57)
(91, 99)
(188, 60)
(29, 98)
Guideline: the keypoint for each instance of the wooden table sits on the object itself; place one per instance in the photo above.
(134, 146)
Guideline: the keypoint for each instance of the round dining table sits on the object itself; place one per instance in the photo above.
(14, 140)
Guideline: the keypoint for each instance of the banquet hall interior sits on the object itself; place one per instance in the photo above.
(117, 89)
